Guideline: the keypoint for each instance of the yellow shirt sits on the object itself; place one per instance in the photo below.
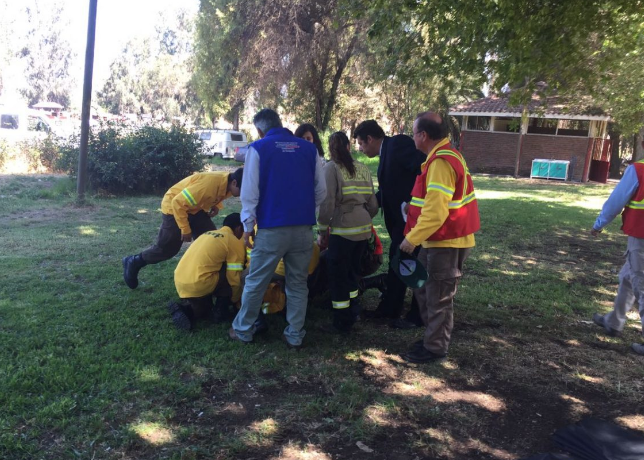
(197, 273)
(436, 206)
(195, 193)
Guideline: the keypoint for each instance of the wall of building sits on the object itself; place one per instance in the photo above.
(573, 149)
(495, 153)
(489, 152)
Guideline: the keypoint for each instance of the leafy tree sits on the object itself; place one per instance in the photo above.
(293, 53)
(576, 46)
(121, 92)
(153, 75)
(46, 54)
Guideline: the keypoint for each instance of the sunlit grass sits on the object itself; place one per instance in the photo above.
(93, 369)
(153, 433)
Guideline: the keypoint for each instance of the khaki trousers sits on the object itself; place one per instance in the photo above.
(436, 298)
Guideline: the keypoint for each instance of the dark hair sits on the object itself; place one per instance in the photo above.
(267, 119)
(436, 131)
(237, 175)
(340, 153)
(368, 128)
(309, 128)
(232, 220)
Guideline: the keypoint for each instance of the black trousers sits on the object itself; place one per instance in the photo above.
(202, 307)
(169, 241)
(344, 259)
(393, 302)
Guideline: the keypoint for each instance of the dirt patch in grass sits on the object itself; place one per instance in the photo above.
(502, 402)
(70, 213)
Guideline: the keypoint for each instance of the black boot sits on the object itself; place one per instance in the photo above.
(261, 325)
(131, 267)
(221, 311)
(373, 282)
(182, 316)
(356, 309)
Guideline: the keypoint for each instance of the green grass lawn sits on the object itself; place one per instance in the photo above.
(92, 370)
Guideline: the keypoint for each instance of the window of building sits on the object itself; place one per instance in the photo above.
(542, 126)
(507, 124)
(573, 128)
(478, 123)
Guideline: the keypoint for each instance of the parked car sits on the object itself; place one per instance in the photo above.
(223, 142)
(22, 124)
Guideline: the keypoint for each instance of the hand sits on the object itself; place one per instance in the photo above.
(323, 241)
(213, 211)
(186, 238)
(407, 247)
(247, 238)
(595, 233)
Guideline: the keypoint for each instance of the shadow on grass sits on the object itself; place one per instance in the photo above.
(105, 375)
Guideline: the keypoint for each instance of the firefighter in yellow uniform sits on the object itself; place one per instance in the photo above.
(187, 209)
(211, 267)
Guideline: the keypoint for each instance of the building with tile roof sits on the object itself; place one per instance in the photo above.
(559, 130)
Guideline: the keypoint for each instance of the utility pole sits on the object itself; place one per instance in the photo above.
(87, 102)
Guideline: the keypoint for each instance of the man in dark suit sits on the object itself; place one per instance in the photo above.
(399, 165)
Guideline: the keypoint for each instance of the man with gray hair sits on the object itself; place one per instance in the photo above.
(281, 187)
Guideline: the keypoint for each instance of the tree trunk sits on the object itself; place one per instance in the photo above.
(333, 93)
(236, 117)
(638, 150)
(517, 161)
(615, 160)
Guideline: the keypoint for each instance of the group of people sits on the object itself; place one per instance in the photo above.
(425, 193)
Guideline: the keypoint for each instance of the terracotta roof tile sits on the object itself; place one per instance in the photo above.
(552, 105)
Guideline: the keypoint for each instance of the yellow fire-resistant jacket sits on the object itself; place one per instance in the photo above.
(201, 191)
(197, 273)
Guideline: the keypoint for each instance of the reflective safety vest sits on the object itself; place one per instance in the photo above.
(463, 218)
(633, 215)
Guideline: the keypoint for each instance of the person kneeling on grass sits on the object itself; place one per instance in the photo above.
(187, 209)
(199, 276)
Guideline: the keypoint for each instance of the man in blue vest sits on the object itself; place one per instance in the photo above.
(281, 187)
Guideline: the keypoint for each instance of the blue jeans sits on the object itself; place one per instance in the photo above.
(294, 245)
(631, 286)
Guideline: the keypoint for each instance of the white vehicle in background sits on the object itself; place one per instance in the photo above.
(223, 142)
(22, 124)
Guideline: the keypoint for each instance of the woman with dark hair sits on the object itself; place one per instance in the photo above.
(345, 227)
(308, 132)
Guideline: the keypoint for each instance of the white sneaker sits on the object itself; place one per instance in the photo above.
(638, 348)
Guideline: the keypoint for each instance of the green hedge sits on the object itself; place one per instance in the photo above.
(125, 161)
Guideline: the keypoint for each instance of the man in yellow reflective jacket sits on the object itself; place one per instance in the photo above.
(212, 265)
(187, 210)
(443, 217)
